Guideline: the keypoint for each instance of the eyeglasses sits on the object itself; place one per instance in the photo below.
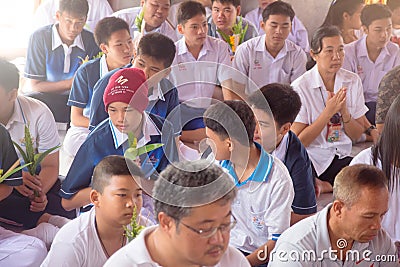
(335, 119)
(207, 233)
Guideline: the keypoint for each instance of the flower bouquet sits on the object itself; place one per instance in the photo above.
(134, 228)
(133, 152)
(237, 37)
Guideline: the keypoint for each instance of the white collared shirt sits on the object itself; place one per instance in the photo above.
(196, 80)
(148, 129)
(103, 66)
(40, 120)
(56, 42)
(297, 35)
(255, 62)
(371, 73)
(142, 258)
(309, 86)
(280, 151)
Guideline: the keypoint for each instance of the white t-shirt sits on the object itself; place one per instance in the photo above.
(391, 220)
(40, 120)
(307, 243)
(198, 78)
(371, 73)
(254, 61)
(313, 95)
(77, 244)
(136, 254)
(46, 13)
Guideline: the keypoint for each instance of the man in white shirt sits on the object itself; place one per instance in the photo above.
(348, 231)
(374, 55)
(193, 202)
(271, 57)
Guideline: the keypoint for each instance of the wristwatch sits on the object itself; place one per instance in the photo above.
(369, 129)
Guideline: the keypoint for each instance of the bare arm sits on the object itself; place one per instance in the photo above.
(294, 217)
(232, 90)
(49, 171)
(258, 256)
(51, 87)
(80, 199)
(5, 191)
(352, 127)
(77, 118)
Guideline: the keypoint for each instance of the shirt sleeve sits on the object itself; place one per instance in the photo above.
(241, 62)
(97, 109)
(47, 133)
(35, 67)
(79, 94)
(64, 255)
(358, 107)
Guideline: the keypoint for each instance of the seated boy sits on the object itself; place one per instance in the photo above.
(17, 111)
(152, 17)
(298, 33)
(15, 249)
(193, 203)
(265, 190)
(155, 53)
(93, 237)
(372, 56)
(125, 100)
(224, 15)
(174, 10)
(271, 57)
(200, 63)
(113, 37)
(273, 133)
(54, 54)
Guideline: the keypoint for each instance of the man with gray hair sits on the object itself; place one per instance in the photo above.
(193, 203)
(348, 231)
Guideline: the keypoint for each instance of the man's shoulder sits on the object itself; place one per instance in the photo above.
(296, 149)
(77, 230)
(233, 257)
(279, 172)
(35, 108)
(43, 32)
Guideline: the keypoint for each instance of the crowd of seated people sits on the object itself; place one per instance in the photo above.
(202, 136)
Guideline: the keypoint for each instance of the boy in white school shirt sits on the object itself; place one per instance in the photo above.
(271, 58)
(298, 33)
(200, 63)
(93, 237)
(193, 203)
(372, 56)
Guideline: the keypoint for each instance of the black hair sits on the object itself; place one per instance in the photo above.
(338, 8)
(158, 46)
(374, 12)
(278, 8)
(321, 33)
(393, 4)
(106, 27)
(74, 7)
(188, 10)
(235, 3)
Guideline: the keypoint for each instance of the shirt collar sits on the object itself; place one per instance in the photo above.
(56, 39)
(157, 93)
(17, 115)
(363, 52)
(148, 129)
(103, 66)
(183, 49)
(261, 172)
(280, 151)
(315, 78)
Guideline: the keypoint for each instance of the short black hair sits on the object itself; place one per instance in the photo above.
(278, 8)
(321, 33)
(158, 46)
(188, 10)
(74, 7)
(374, 12)
(228, 118)
(113, 165)
(106, 27)
(235, 3)
(9, 75)
(393, 4)
(283, 101)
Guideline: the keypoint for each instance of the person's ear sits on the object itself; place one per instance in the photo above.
(345, 16)
(313, 55)
(12, 95)
(365, 29)
(165, 222)
(95, 198)
(103, 48)
(180, 28)
(285, 128)
(229, 144)
(337, 208)
(238, 9)
(58, 15)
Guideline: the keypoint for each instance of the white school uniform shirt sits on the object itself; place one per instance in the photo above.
(198, 78)
(46, 13)
(297, 35)
(77, 244)
(390, 221)
(136, 254)
(255, 62)
(371, 73)
(41, 123)
(129, 15)
(262, 209)
(311, 236)
(313, 95)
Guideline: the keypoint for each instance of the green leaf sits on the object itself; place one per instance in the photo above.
(30, 152)
(38, 158)
(131, 153)
(134, 228)
(11, 172)
(22, 152)
(148, 148)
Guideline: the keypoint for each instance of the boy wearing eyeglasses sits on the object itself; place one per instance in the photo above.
(54, 54)
(265, 190)
(193, 202)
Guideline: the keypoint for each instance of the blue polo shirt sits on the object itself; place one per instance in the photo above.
(7, 158)
(102, 142)
(82, 87)
(299, 166)
(167, 106)
(260, 174)
(45, 64)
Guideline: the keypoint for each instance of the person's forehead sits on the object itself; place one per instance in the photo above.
(161, 2)
(210, 212)
(372, 200)
(332, 41)
(381, 22)
(73, 16)
(223, 5)
(278, 18)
